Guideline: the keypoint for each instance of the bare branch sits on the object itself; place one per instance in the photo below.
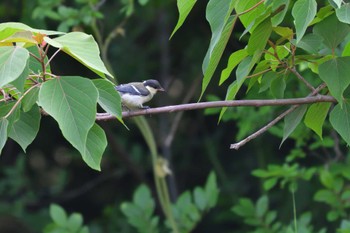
(219, 104)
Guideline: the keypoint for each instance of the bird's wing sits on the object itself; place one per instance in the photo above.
(132, 90)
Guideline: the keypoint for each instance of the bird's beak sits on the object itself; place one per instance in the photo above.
(160, 89)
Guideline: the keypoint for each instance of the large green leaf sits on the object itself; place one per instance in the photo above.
(259, 36)
(216, 54)
(184, 7)
(315, 117)
(25, 129)
(233, 61)
(13, 61)
(332, 31)
(340, 120)
(95, 146)
(3, 132)
(310, 43)
(83, 48)
(71, 101)
(343, 13)
(336, 74)
(221, 23)
(292, 120)
(10, 28)
(303, 13)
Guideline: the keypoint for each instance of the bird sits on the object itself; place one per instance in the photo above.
(135, 94)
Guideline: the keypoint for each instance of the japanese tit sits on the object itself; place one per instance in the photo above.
(135, 94)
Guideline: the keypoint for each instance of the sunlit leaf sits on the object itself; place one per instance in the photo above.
(303, 13)
(83, 48)
(233, 61)
(315, 117)
(184, 7)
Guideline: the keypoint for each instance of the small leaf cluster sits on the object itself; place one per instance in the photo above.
(264, 220)
(64, 223)
(188, 209)
(28, 88)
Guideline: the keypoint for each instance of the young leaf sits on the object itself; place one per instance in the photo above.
(3, 132)
(83, 48)
(96, 144)
(25, 129)
(233, 61)
(332, 31)
(259, 37)
(343, 13)
(336, 74)
(292, 120)
(58, 215)
(303, 13)
(13, 60)
(75, 222)
(339, 118)
(184, 7)
(315, 117)
(71, 101)
(221, 24)
(108, 98)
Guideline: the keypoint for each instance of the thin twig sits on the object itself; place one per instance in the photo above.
(219, 104)
(252, 8)
(277, 119)
(53, 55)
(19, 100)
(301, 78)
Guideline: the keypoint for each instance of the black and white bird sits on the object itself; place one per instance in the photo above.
(135, 94)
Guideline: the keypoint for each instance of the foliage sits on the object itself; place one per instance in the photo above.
(27, 78)
(188, 209)
(64, 223)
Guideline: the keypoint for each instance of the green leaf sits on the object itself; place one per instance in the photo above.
(270, 183)
(30, 99)
(310, 43)
(277, 5)
(25, 129)
(211, 190)
(292, 120)
(75, 222)
(58, 215)
(278, 86)
(262, 206)
(13, 61)
(259, 36)
(71, 101)
(315, 117)
(340, 120)
(233, 61)
(12, 27)
(343, 13)
(184, 7)
(108, 98)
(332, 31)
(19, 82)
(3, 132)
(249, 17)
(337, 2)
(221, 24)
(83, 48)
(336, 74)
(96, 144)
(303, 13)
(200, 198)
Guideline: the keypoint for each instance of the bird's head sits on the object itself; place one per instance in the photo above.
(153, 86)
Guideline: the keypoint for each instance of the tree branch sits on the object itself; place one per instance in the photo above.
(219, 104)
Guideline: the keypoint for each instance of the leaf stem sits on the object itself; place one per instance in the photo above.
(19, 100)
(250, 9)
